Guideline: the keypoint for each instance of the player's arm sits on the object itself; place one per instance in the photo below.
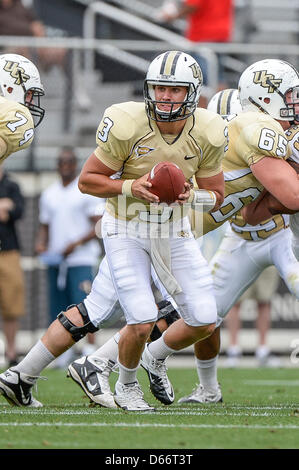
(276, 199)
(280, 179)
(95, 180)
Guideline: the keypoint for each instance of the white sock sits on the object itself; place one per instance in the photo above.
(159, 349)
(36, 360)
(109, 349)
(127, 376)
(207, 372)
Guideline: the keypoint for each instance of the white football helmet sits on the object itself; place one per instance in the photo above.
(173, 68)
(20, 81)
(271, 86)
(225, 102)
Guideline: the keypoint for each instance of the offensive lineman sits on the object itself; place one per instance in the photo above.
(260, 246)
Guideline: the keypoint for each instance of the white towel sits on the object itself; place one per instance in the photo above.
(161, 259)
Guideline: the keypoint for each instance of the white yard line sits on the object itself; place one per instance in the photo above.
(249, 412)
(155, 425)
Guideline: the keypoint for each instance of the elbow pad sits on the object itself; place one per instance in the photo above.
(202, 200)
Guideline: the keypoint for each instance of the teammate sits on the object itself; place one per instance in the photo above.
(266, 244)
(20, 110)
(256, 154)
(132, 139)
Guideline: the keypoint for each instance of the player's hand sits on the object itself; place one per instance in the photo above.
(140, 189)
(183, 198)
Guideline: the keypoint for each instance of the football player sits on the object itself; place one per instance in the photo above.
(20, 110)
(266, 244)
(131, 139)
(246, 149)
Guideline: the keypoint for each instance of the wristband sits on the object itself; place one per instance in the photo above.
(126, 189)
(202, 200)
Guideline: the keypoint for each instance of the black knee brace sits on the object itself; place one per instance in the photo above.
(77, 332)
(168, 313)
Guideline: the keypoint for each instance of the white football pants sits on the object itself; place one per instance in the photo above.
(237, 264)
(128, 257)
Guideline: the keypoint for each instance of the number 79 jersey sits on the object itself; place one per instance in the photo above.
(252, 136)
(16, 127)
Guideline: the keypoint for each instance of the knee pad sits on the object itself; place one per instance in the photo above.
(77, 332)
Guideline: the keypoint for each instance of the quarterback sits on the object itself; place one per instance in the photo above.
(20, 92)
(131, 139)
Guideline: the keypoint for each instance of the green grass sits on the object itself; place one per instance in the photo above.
(260, 411)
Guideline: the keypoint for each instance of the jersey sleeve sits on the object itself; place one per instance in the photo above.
(114, 137)
(214, 148)
(16, 128)
(262, 139)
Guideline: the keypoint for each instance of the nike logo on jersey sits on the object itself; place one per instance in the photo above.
(189, 157)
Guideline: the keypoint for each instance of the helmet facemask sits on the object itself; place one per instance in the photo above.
(32, 102)
(291, 99)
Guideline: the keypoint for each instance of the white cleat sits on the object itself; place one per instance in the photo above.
(92, 374)
(129, 397)
(16, 388)
(156, 370)
(203, 395)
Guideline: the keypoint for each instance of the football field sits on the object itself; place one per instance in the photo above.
(260, 411)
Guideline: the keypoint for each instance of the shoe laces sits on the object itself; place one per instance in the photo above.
(103, 374)
(134, 392)
(200, 391)
(33, 382)
(160, 366)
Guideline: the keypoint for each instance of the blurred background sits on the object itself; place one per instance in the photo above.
(92, 54)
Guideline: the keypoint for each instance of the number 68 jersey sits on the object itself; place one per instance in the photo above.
(252, 136)
(16, 127)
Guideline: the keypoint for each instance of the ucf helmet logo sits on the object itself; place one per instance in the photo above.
(16, 72)
(196, 71)
(266, 80)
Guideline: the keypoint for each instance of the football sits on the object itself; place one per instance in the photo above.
(167, 181)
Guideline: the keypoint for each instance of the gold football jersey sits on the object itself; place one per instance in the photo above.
(16, 127)
(252, 136)
(131, 144)
(292, 134)
(260, 231)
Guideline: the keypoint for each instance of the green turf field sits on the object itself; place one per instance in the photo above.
(260, 411)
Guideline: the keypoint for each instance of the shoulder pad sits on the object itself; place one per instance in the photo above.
(210, 125)
(127, 119)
